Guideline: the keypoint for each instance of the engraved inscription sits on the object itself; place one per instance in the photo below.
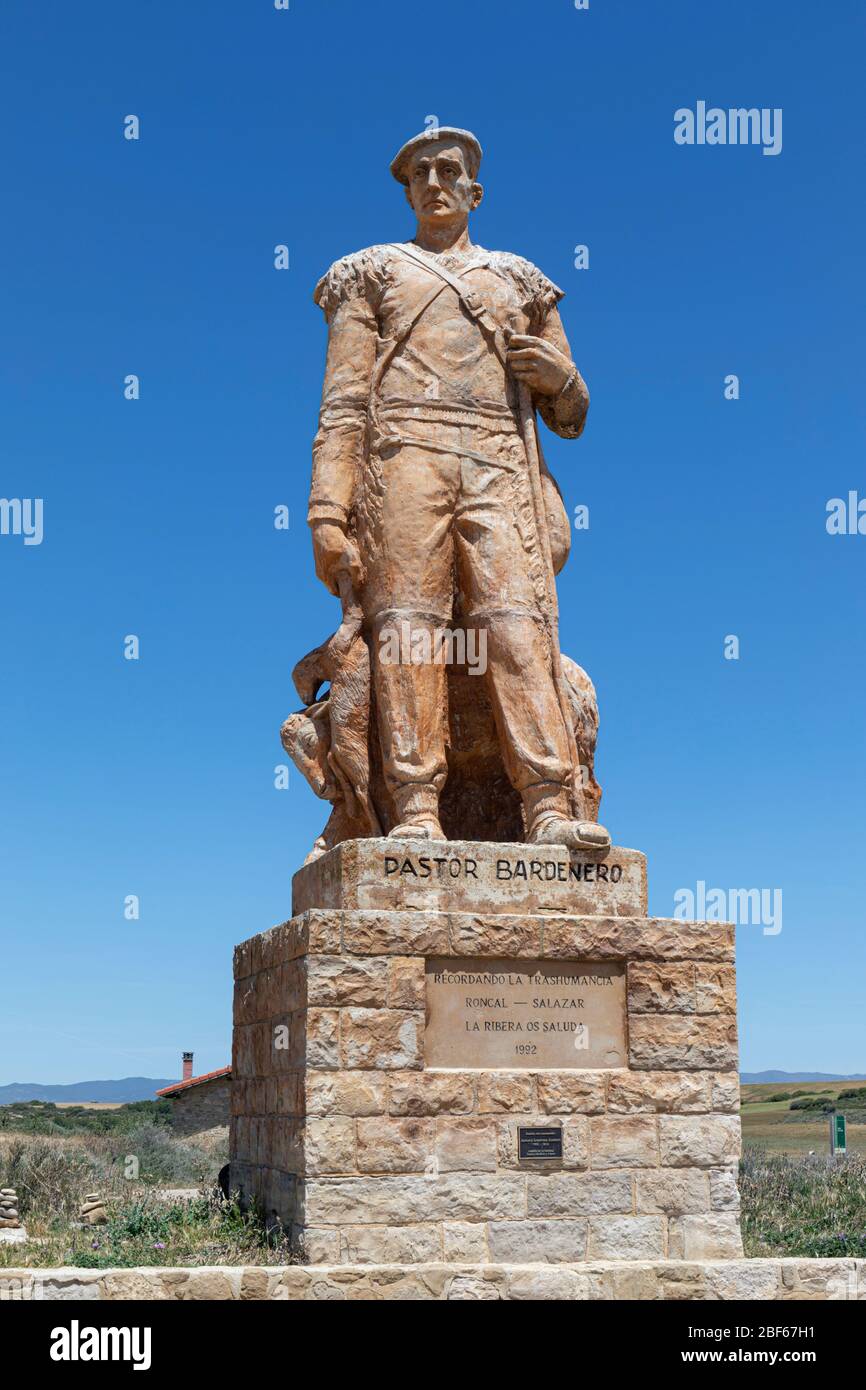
(524, 1013)
(520, 870)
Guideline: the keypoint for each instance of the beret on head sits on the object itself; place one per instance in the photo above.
(448, 133)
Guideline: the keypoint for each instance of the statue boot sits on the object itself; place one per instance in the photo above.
(417, 807)
(549, 820)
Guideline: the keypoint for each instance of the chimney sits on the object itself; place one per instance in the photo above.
(187, 1066)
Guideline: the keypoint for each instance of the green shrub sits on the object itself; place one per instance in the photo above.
(44, 1117)
(162, 1157)
(208, 1230)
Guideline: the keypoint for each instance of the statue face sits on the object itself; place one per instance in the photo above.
(441, 189)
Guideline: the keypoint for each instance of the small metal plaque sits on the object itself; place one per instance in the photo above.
(539, 1141)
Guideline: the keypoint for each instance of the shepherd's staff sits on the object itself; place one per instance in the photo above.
(533, 460)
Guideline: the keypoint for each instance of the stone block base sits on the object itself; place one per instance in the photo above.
(388, 1063)
(755, 1280)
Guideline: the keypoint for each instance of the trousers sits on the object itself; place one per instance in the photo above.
(453, 515)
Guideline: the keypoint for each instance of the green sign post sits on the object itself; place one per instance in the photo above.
(838, 1141)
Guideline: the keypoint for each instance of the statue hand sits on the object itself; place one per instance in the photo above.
(336, 553)
(538, 364)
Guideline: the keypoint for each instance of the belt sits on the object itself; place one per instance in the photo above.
(434, 410)
(392, 443)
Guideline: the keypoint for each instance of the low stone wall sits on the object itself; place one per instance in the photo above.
(763, 1280)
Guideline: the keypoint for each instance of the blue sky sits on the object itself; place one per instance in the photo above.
(707, 516)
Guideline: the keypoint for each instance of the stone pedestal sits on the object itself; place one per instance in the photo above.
(469, 1052)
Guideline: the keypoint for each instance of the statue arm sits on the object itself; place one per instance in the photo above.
(339, 444)
(564, 413)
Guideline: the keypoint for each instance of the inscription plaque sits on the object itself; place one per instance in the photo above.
(539, 1141)
(509, 1013)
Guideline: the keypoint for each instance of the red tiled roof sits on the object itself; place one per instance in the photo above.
(194, 1081)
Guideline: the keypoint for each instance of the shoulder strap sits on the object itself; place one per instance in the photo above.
(469, 298)
(401, 333)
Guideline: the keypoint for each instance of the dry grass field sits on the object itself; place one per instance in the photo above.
(89, 1105)
(160, 1191)
(769, 1122)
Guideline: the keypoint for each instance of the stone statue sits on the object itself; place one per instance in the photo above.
(450, 712)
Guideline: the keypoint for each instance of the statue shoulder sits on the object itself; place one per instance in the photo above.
(360, 274)
(539, 293)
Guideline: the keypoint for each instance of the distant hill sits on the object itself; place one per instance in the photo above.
(757, 1078)
(120, 1092)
